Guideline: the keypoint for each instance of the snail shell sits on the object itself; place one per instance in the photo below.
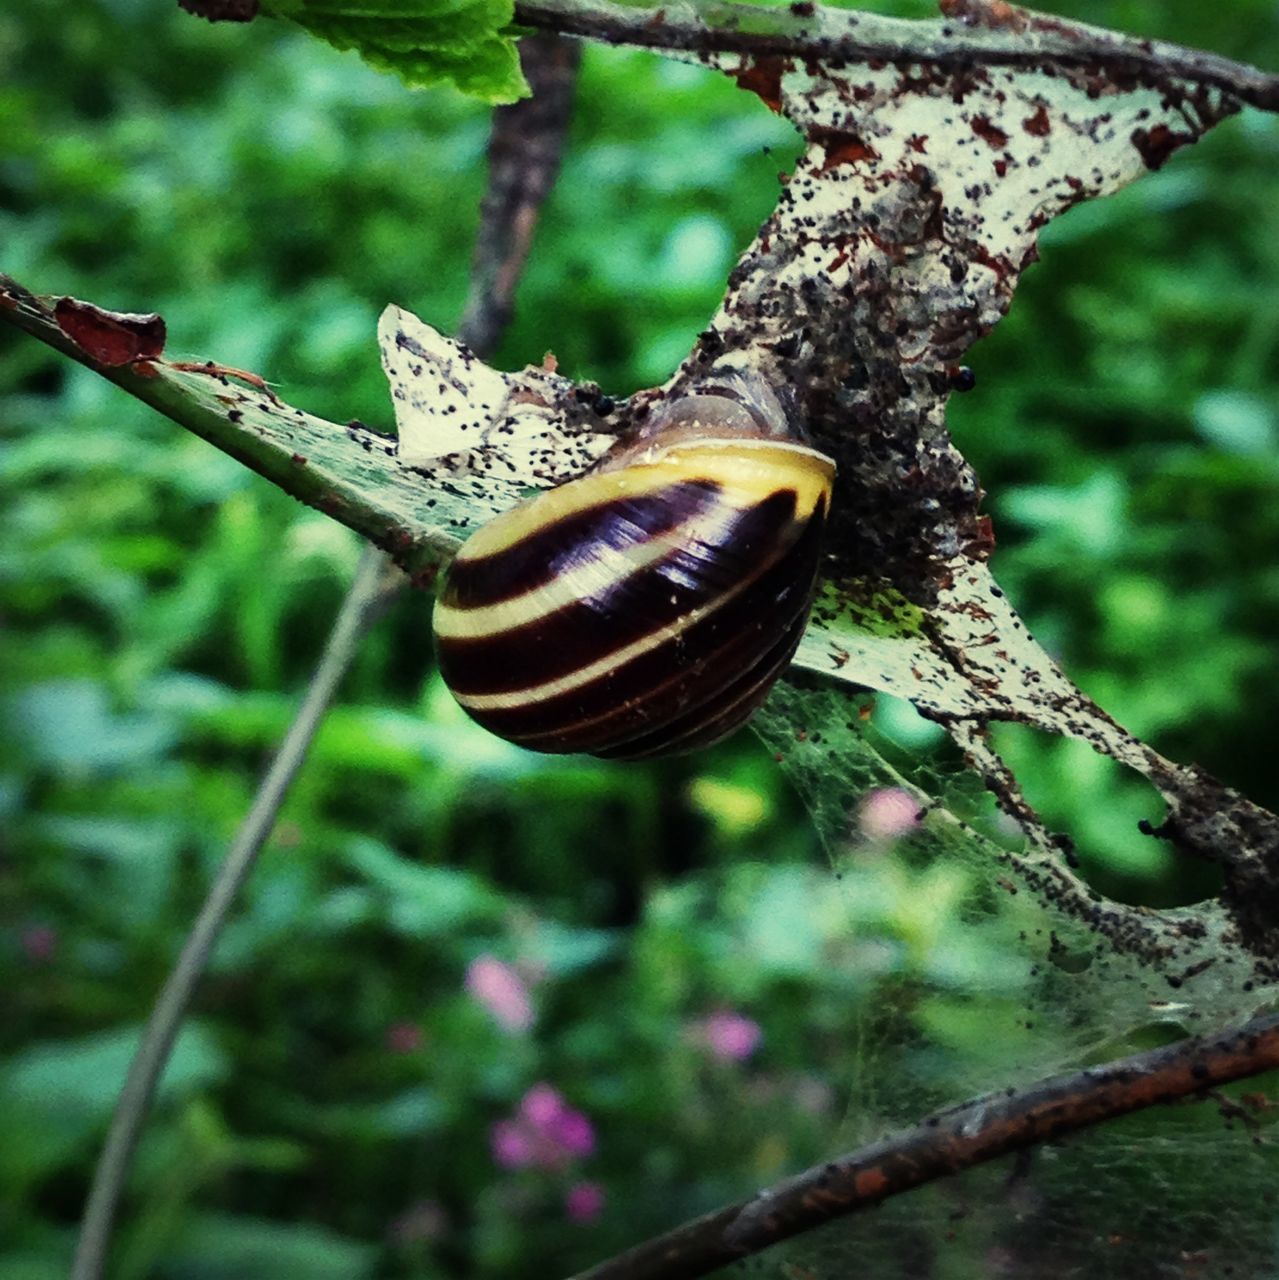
(647, 607)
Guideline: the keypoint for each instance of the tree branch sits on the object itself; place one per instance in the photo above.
(946, 1143)
(975, 33)
(349, 472)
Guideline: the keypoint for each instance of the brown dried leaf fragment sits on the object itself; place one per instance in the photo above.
(112, 338)
(987, 13)
(763, 77)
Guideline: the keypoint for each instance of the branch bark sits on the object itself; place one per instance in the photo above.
(347, 471)
(946, 1143)
(524, 160)
(974, 33)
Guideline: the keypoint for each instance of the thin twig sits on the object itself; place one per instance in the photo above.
(945, 1143)
(370, 591)
(502, 245)
(525, 149)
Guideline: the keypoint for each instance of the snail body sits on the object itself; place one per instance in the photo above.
(647, 607)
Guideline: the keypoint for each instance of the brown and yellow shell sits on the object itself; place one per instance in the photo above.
(647, 607)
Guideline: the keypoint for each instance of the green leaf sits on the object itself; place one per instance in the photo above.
(424, 42)
(56, 1095)
(422, 901)
(415, 1112)
(85, 1075)
(1236, 422)
(566, 950)
(69, 725)
(218, 1246)
(31, 1265)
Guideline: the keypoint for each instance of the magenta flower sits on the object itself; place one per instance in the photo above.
(584, 1202)
(730, 1036)
(574, 1133)
(501, 990)
(542, 1106)
(513, 1144)
(544, 1131)
(886, 813)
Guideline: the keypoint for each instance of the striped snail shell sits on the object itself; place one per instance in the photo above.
(648, 606)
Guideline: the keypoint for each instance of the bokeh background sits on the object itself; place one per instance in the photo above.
(480, 1013)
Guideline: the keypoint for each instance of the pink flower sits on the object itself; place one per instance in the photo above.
(573, 1133)
(584, 1202)
(545, 1131)
(542, 1106)
(886, 813)
(730, 1036)
(501, 990)
(512, 1144)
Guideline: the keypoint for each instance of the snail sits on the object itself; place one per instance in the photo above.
(646, 607)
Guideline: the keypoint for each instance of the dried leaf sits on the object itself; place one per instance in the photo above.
(112, 338)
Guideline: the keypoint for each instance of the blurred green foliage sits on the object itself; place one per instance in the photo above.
(329, 1108)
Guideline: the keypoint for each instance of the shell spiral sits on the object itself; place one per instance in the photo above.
(642, 610)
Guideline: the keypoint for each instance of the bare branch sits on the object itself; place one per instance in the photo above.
(348, 472)
(946, 1143)
(977, 33)
(524, 159)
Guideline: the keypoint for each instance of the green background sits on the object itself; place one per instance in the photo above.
(329, 1107)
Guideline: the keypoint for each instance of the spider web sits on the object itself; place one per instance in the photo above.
(1036, 973)
(1005, 988)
